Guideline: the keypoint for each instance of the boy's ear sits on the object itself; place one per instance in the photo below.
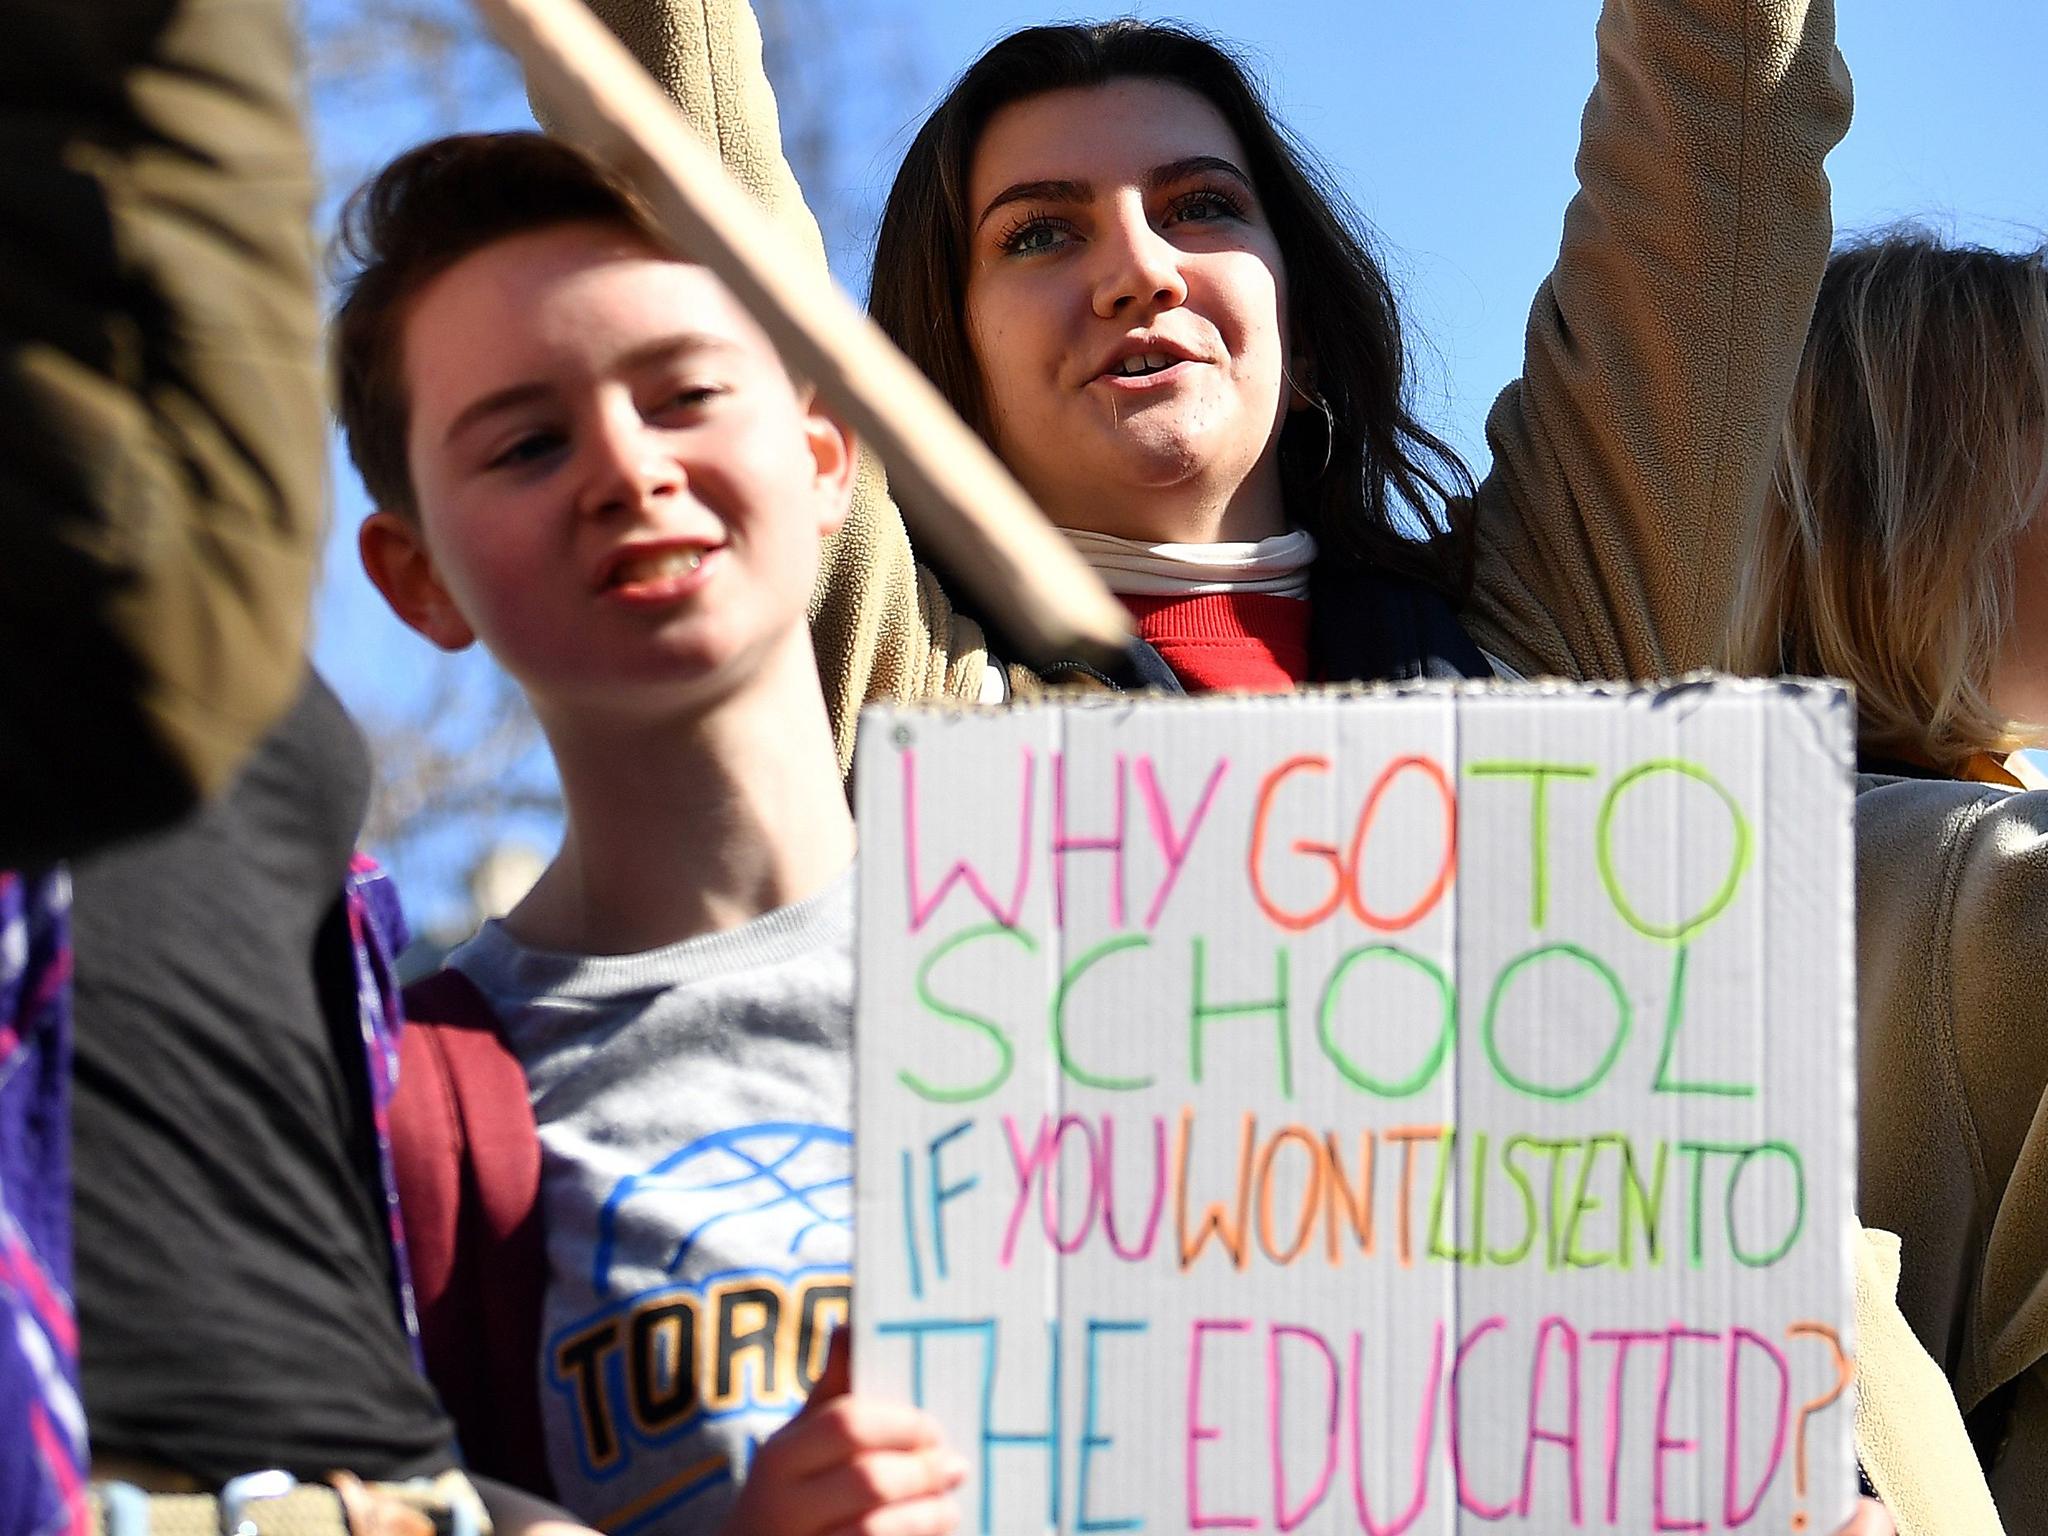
(399, 566)
(834, 455)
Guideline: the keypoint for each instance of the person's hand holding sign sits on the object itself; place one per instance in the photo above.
(850, 1466)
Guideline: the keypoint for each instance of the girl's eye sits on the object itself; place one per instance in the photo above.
(1205, 206)
(1033, 235)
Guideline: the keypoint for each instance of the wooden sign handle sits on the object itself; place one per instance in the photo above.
(960, 500)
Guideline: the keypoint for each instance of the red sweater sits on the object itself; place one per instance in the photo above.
(1247, 642)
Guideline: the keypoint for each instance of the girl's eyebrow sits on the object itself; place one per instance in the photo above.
(1037, 192)
(1195, 165)
(1055, 191)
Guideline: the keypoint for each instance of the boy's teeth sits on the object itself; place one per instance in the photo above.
(658, 567)
(1149, 362)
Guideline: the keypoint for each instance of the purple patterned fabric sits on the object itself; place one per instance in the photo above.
(376, 925)
(42, 1425)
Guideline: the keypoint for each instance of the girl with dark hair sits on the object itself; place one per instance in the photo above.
(1347, 454)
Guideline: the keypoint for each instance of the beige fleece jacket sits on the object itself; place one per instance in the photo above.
(1630, 457)
(1952, 922)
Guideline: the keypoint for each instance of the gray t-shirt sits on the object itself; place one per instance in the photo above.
(695, 1110)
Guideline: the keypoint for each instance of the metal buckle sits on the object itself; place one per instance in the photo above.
(238, 1493)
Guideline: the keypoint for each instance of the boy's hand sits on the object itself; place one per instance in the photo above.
(850, 1466)
(1871, 1519)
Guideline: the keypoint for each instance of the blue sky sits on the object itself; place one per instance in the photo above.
(1451, 122)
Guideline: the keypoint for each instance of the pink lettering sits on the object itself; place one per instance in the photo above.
(1425, 1428)
(1623, 1341)
(922, 906)
(1108, 1180)
(1198, 1519)
(1050, 1190)
(1173, 846)
(1286, 1518)
(1063, 843)
(1732, 1514)
(1027, 1164)
(1666, 1445)
(1454, 1430)
(1566, 1440)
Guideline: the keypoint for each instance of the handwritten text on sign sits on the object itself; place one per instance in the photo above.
(1413, 1113)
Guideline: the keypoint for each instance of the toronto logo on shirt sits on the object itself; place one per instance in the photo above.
(749, 1231)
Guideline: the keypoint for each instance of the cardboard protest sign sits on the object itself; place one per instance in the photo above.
(1421, 1111)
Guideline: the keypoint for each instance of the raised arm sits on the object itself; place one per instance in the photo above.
(162, 444)
(882, 626)
(1631, 457)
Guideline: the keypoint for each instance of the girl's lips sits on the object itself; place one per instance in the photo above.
(657, 580)
(1139, 383)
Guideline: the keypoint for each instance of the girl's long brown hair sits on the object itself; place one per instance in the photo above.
(1352, 477)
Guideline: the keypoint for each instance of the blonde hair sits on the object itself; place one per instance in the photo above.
(1914, 454)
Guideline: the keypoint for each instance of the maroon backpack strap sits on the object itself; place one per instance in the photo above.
(467, 1158)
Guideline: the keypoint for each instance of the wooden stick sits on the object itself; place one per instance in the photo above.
(961, 501)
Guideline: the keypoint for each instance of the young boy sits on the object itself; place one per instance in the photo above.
(586, 455)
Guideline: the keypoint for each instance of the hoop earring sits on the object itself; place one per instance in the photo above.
(1322, 407)
(1329, 433)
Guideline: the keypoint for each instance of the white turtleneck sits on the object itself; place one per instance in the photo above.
(1135, 568)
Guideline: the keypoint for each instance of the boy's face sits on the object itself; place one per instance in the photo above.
(620, 490)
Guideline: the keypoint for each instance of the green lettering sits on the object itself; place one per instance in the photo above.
(1582, 1205)
(1005, 1054)
(1698, 1151)
(1488, 1027)
(1785, 1150)
(1074, 973)
(1553, 1250)
(1447, 1151)
(1738, 862)
(1674, 1013)
(1446, 1028)
(1539, 776)
(1521, 1178)
(1646, 1203)
(1203, 1011)
(1744, 1153)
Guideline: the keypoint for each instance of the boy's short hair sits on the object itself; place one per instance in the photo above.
(424, 212)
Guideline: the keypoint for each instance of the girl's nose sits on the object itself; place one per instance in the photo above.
(1140, 270)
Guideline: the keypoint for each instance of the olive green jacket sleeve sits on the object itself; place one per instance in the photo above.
(1631, 458)
(162, 444)
(1952, 928)
(882, 626)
